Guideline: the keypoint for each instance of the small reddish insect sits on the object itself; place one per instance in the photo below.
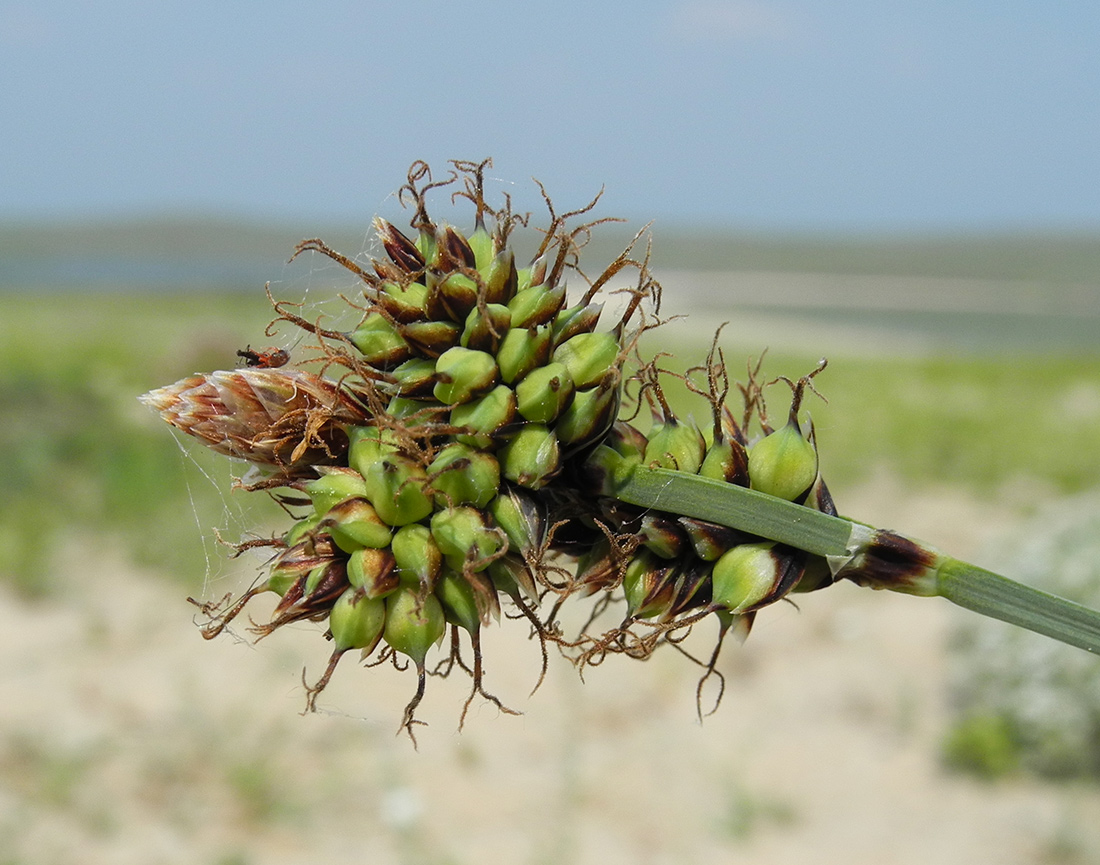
(267, 358)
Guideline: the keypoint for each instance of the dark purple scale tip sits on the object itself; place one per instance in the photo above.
(892, 561)
(401, 250)
(455, 249)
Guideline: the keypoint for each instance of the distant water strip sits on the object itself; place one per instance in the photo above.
(904, 314)
(89, 272)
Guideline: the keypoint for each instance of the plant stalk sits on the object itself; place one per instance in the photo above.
(870, 557)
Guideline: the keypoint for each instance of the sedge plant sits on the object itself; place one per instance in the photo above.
(484, 439)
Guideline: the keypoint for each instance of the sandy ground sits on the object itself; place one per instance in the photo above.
(125, 738)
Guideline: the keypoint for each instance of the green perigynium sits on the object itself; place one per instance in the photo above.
(783, 463)
(464, 444)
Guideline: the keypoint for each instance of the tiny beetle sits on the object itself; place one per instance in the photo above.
(268, 358)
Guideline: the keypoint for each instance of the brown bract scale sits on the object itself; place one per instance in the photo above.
(276, 417)
(894, 562)
(400, 249)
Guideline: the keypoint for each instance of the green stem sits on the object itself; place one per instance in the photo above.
(1001, 598)
(736, 507)
(872, 557)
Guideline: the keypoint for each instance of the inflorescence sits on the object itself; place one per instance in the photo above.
(456, 453)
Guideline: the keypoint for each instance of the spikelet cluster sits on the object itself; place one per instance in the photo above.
(456, 449)
(672, 570)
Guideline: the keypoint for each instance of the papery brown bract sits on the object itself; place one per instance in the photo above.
(278, 417)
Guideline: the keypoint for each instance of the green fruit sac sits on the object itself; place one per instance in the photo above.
(404, 302)
(485, 329)
(485, 416)
(533, 275)
(522, 518)
(318, 578)
(454, 296)
(354, 524)
(463, 475)
(373, 571)
(522, 350)
(783, 464)
(404, 409)
(413, 623)
(280, 581)
(301, 529)
(648, 584)
(577, 319)
(415, 377)
(465, 538)
(544, 393)
(366, 445)
(462, 373)
(743, 576)
(417, 556)
(536, 305)
(752, 574)
(588, 357)
(356, 621)
(726, 461)
(532, 458)
(676, 445)
(626, 440)
(605, 470)
(481, 244)
(500, 277)
(379, 341)
(589, 415)
(710, 540)
(432, 338)
(459, 602)
(333, 487)
(662, 535)
(397, 487)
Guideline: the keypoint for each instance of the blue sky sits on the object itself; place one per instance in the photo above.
(790, 114)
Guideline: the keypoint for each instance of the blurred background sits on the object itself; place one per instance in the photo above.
(909, 189)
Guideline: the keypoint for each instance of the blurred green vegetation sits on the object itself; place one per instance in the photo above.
(1018, 701)
(982, 745)
(976, 422)
(87, 463)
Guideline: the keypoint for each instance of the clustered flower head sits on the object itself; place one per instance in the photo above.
(457, 451)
